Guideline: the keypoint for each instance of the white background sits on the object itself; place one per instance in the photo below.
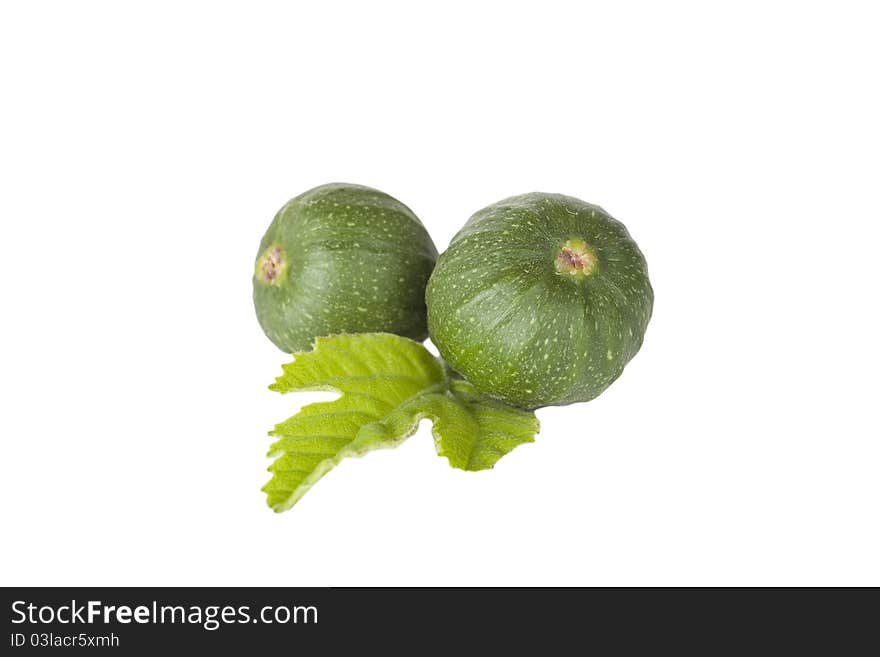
(144, 150)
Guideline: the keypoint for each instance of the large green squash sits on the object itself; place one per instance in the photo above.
(342, 258)
(541, 299)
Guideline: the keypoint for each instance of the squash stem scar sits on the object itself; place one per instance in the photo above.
(576, 259)
(272, 266)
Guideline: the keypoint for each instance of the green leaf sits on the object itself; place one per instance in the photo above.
(375, 373)
(471, 430)
(387, 385)
(488, 431)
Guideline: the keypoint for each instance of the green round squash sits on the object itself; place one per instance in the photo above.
(342, 258)
(540, 300)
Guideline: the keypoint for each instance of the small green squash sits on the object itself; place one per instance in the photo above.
(342, 258)
(541, 299)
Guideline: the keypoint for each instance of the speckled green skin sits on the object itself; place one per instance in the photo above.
(502, 314)
(356, 261)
